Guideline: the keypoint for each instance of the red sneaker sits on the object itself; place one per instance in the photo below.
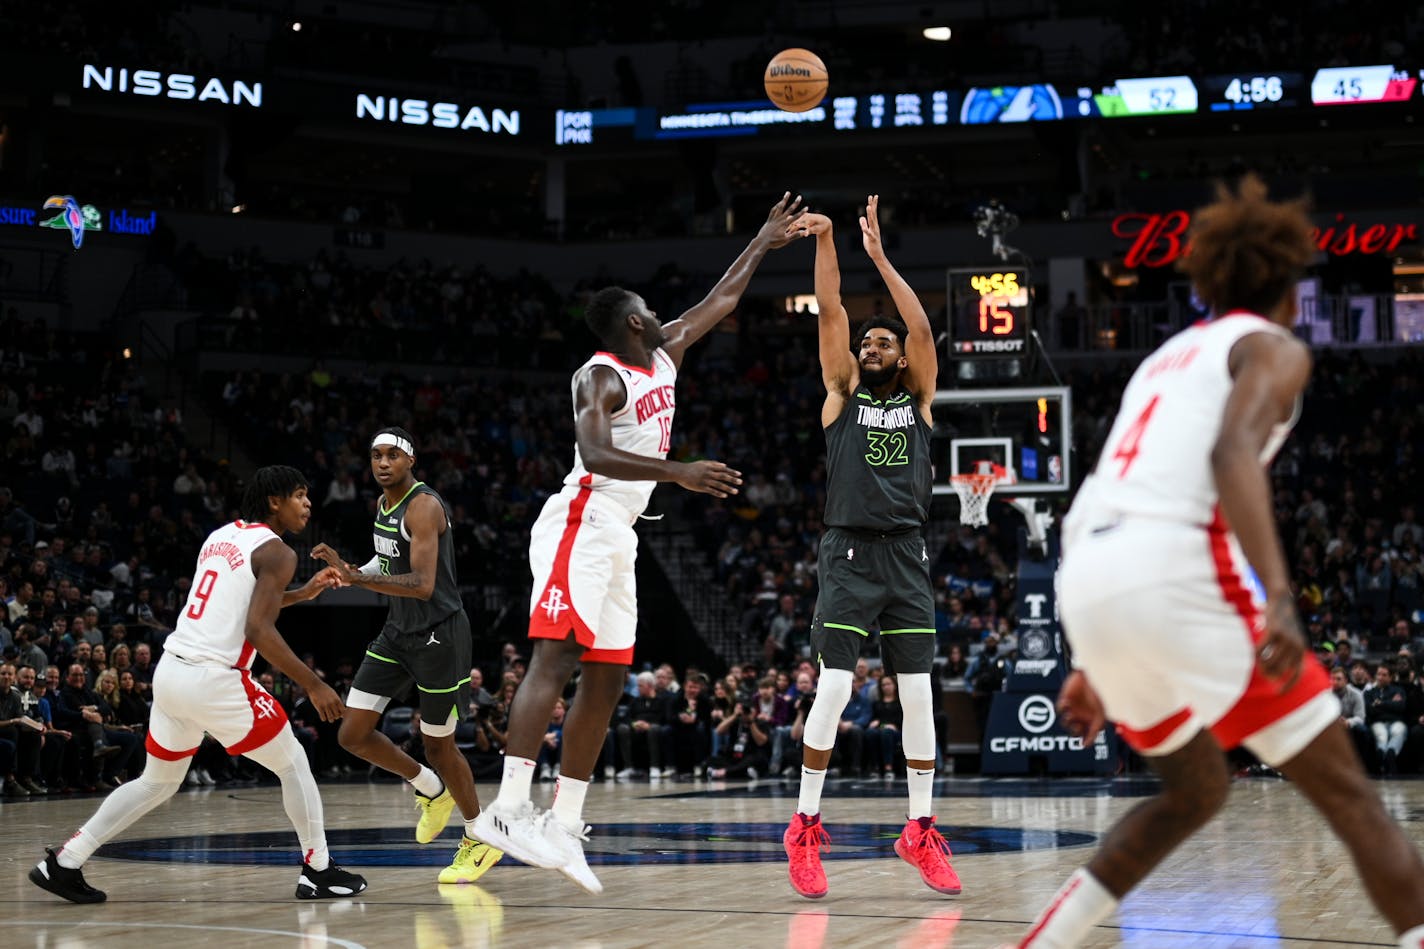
(921, 844)
(803, 839)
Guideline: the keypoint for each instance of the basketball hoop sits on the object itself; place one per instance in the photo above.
(975, 488)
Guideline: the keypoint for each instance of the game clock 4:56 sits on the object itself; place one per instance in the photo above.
(988, 311)
(1246, 90)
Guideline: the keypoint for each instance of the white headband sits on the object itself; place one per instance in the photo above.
(395, 441)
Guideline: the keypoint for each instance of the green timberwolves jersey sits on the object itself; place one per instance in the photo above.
(392, 542)
(878, 473)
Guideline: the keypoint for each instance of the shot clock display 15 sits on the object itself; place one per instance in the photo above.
(988, 311)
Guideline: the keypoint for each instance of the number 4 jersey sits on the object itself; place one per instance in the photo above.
(1156, 462)
(211, 628)
(878, 474)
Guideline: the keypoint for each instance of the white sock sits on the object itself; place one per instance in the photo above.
(809, 803)
(470, 828)
(514, 789)
(76, 850)
(1080, 905)
(427, 783)
(568, 802)
(1414, 939)
(921, 792)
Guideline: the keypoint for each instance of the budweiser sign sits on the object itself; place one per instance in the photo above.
(1159, 239)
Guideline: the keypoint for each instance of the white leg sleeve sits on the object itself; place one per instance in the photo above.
(283, 756)
(832, 695)
(128, 802)
(918, 738)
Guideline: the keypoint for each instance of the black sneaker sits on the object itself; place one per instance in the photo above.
(328, 884)
(62, 881)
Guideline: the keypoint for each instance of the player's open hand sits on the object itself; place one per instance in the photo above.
(1282, 649)
(710, 477)
(1080, 709)
(343, 571)
(870, 228)
(326, 702)
(810, 225)
(778, 230)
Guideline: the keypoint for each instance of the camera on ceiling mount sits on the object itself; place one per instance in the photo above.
(993, 221)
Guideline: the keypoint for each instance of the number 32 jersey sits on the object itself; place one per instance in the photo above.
(1156, 461)
(212, 627)
(642, 426)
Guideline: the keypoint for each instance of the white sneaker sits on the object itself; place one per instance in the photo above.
(669, 773)
(192, 779)
(571, 842)
(608, 772)
(626, 774)
(206, 778)
(517, 831)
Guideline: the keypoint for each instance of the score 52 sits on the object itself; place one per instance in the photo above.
(996, 294)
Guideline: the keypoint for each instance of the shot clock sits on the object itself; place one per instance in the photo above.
(988, 311)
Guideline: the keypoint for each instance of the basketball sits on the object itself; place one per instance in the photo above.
(796, 80)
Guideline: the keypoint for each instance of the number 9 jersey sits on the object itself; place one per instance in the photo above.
(211, 629)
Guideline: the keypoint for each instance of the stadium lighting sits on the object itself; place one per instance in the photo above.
(296, 26)
(940, 34)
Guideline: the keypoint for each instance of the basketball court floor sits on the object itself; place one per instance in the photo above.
(686, 863)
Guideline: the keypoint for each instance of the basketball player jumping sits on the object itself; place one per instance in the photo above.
(872, 566)
(425, 642)
(582, 549)
(203, 684)
(1177, 651)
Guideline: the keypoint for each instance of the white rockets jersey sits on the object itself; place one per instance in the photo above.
(212, 626)
(1156, 461)
(643, 426)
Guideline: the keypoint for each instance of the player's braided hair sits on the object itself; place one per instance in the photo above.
(608, 311)
(274, 481)
(1246, 251)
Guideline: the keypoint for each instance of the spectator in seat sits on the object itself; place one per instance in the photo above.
(1352, 711)
(1387, 706)
(552, 745)
(648, 723)
(883, 733)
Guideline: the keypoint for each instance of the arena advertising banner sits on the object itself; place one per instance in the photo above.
(64, 212)
(1024, 734)
(480, 116)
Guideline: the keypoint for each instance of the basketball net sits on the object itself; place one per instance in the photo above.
(975, 488)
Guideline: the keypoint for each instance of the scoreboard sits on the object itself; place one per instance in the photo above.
(988, 311)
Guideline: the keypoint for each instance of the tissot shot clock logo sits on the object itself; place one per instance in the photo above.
(1010, 104)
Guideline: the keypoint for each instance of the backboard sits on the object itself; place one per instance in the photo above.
(1028, 430)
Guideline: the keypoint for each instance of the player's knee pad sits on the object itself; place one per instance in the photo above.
(832, 695)
(917, 702)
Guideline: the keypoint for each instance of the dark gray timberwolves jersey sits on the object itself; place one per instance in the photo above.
(878, 474)
(392, 542)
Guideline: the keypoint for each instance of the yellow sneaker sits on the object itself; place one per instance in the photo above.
(434, 812)
(472, 861)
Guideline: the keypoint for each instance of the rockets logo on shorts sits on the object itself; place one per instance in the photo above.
(265, 706)
(554, 604)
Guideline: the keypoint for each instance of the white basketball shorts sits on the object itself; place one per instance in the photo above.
(582, 551)
(190, 699)
(1166, 632)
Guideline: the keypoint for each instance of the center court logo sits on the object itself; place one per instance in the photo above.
(1036, 714)
(554, 604)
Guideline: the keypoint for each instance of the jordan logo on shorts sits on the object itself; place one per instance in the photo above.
(850, 553)
(433, 640)
(265, 706)
(554, 604)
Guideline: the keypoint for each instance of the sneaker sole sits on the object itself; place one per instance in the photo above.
(306, 890)
(490, 834)
(589, 883)
(45, 883)
(946, 890)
